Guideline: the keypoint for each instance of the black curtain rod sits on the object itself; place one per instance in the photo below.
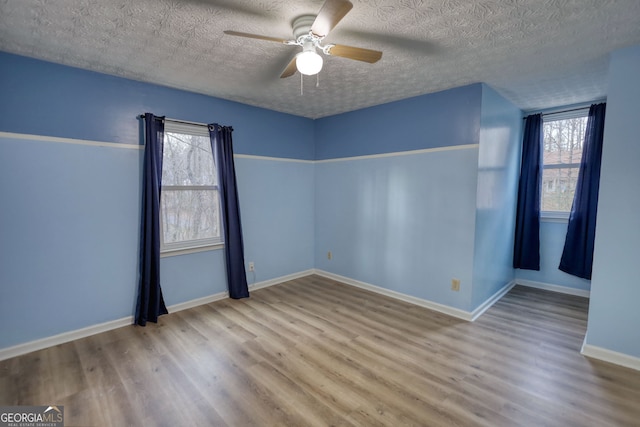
(141, 116)
(566, 111)
(586, 107)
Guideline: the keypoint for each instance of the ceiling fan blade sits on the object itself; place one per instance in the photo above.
(411, 45)
(255, 36)
(290, 70)
(331, 13)
(357, 53)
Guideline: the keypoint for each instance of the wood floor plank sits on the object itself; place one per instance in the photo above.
(316, 352)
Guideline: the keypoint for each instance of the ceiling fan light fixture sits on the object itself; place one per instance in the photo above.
(309, 32)
(309, 62)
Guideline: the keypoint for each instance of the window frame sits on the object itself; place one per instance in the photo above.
(559, 216)
(193, 245)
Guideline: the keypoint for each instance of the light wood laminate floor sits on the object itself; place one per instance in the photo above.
(314, 352)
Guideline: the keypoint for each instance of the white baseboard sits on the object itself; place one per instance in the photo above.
(492, 300)
(28, 347)
(281, 279)
(610, 356)
(196, 302)
(554, 288)
(451, 311)
(469, 316)
(64, 337)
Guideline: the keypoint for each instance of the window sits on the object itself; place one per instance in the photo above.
(189, 204)
(563, 138)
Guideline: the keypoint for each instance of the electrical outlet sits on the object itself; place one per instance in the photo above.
(251, 266)
(455, 284)
(329, 255)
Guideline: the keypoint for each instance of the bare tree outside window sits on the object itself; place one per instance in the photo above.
(563, 141)
(189, 199)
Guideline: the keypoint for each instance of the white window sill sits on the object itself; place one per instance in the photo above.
(176, 252)
(561, 217)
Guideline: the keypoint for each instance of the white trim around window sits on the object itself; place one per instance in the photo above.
(554, 216)
(192, 250)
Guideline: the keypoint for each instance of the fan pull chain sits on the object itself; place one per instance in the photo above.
(302, 83)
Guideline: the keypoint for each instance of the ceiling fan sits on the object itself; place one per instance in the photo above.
(309, 31)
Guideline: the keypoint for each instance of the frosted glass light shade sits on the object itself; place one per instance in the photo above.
(309, 62)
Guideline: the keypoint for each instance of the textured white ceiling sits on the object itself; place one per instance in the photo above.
(537, 53)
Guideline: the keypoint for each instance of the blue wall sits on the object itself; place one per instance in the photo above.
(614, 317)
(498, 170)
(42, 98)
(404, 221)
(441, 119)
(410, 221)
(68, 236)
(70, 213)
(277, 205)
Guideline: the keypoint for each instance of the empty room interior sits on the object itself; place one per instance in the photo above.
(322, 212)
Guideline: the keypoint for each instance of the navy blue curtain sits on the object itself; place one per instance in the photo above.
(222, 146)
(150, 302)
(577, 256)
(526, 247)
